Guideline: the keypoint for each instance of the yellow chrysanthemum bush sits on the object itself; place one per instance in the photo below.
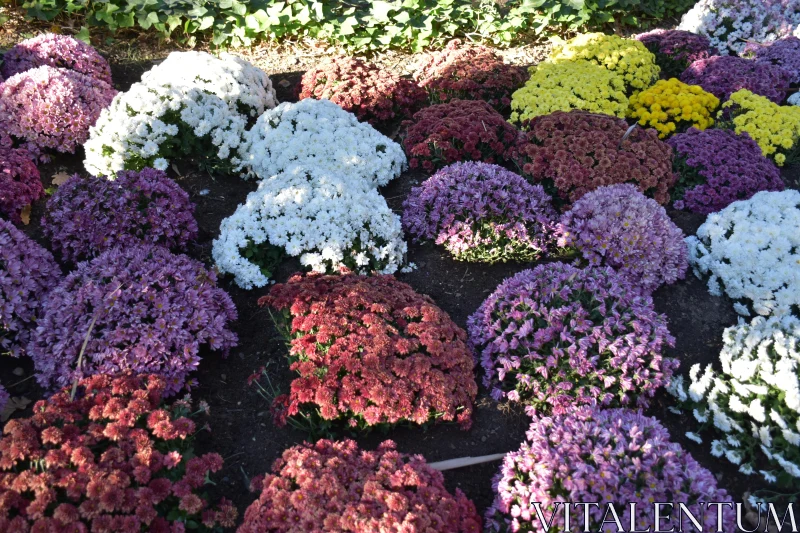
(775, 128)
(627, 57)
(567, 86)
(671, 106)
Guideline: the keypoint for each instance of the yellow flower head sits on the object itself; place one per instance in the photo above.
(671, 105)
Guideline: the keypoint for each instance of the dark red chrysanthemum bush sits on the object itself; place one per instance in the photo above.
(369, 351)
(113, 460)
(335, 486)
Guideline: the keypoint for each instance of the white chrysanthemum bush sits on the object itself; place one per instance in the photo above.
(751, 251)
(752, 407)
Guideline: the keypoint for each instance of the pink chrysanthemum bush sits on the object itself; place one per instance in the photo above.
(618, 226)
(52, 108)
(137, 308)
(481, 213)
(113, 459)
(370, 92)
(558, 336)
(613, 456)
(27, 273)
(469, 72)
(336, 487)
(87, 216)
(371, 351)
(460, 130)
(20, 182)
(59, 51)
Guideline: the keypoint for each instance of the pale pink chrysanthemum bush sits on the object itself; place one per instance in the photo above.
(59, 51)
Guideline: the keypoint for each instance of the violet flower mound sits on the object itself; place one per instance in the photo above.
(718, 167)
(784, 53)
(675, 50)
(59, 51)
(140, 309)
(4, 397)
(87, 216)
(27, 273)
(618, 226)
(52, 107)
(482, 213)
(614, 456)
(20, 183)
(558, 336)
(335, 486)
(724, 75)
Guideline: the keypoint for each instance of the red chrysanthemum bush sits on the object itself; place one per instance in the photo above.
(469, 72)
(370, 351)
(460, 130)
(336, 487)
(113, 460)
(573, 153)
(371, 93)
(20, 182)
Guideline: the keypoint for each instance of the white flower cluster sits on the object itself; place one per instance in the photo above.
(751, 251)
(328, 220)
(794, 99)
(321, 135)
(754, 404)
(192, 105)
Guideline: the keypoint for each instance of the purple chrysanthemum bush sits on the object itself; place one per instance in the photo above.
(718, 167)
(4, 397)
(613, 456)
(675, 50)
(20, 182)
(87, 216)
(784, 53)
(481, 212)
(724, 75)
(58, 51)
(618, 226)
(138, 308)
(557, 337)
(27, 273)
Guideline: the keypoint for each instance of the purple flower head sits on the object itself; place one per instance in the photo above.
(724, 75)
(675, 50)
(27, 273)
(616, 456)
(558, 336)
(58, 51)
(618, 226)
(4, 397)
(784, 53)
(481, 212)
(719, 167)
(20, 183)
(87, 216)
(142, 309)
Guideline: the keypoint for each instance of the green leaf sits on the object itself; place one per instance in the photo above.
(84, 36)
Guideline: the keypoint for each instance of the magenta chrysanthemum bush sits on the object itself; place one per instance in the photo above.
(718, 167)
(141, 308)
(52, 108)
(558, 336)
(87, 216)
(20, 182)
(481, 212)
(59, 51)
(335, 486)
(618, 226)
(724, 75)
(613, 456)
(27, 273)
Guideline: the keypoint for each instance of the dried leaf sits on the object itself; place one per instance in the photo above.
(60, 178)
(25, 214)
(14, 404)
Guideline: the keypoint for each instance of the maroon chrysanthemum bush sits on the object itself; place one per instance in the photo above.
(113, 459)
(20, 182)
(336, 487)
(137, 308)
(572, 153)
(369, 351)
(371, 93)
(87, 216)
(59, 51)
(460, 130)
(27, 273)
(469, 72)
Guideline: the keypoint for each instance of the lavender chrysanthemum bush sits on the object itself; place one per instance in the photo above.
(675, 50)
(59, 51)
(784, 53)
(481, 212)
(27, 273)
(614, 456)
(618, 226)
(724, 75)
(718, 167)
(87, 216)
(20, 182)
(141, 308)
(558, 336)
